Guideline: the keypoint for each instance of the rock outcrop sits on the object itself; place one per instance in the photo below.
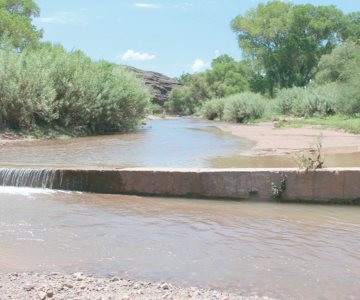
(159, 84)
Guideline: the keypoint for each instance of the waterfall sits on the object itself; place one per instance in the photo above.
(40, 178)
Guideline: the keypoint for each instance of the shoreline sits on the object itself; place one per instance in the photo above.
(263, 138)
(79, 286)
(270, 141)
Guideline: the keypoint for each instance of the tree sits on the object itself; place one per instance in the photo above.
(342, 67)
(16, 29)
(227, 76)
(286, 41)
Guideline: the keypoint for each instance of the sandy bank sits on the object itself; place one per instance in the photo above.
(79, 286)
(269, 140)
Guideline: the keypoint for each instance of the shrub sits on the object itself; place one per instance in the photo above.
(26, 92)
(308, 102)
(286, 98)
(244, 107)
(51, 87)
(213, 109)
(348, 102)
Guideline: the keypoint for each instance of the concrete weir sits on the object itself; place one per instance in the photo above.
(324, 185)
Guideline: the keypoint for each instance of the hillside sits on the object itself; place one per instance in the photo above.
(159, 84)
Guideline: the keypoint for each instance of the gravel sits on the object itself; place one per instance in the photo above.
(81, 286)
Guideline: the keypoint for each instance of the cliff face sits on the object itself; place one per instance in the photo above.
(159, 84)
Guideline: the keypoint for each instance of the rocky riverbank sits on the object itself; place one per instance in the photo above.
(80, 286)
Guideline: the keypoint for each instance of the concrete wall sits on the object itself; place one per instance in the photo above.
(325, 185)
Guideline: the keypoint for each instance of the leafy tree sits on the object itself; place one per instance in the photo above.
(227, 76)
(342, 67)
(286, 41)
(351, 30)
(180, 102)
(16, 29)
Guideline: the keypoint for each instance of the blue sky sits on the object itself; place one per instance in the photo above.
(170, 37)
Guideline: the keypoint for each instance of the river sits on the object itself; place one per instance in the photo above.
(279, 250)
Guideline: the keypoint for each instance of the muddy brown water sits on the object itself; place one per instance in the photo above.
(280, 250)
(159, 143)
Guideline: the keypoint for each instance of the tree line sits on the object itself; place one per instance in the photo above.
(301, 60)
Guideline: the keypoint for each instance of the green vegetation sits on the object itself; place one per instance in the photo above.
(48, 87)
(278, 189)
(287, 40)
(226, 77)
(240, 108)
(314, 159)
(348, 124)
(44, 89)
(303, 59)
(16, 29)
(300, 61)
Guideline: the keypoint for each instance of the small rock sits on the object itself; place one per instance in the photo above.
(165, 286)
(42, 295)
(49, 294)
(114, 279)
(68, 285)
(28, 287)
(136, 286)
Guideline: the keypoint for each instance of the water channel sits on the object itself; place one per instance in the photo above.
(159, 143)
(279, 250)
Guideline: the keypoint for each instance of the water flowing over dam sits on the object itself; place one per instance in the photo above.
(324, 185)
(42, 178)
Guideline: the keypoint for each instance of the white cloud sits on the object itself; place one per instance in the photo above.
(146, 5)
(133, 55)
(199, 65)
(63, 17)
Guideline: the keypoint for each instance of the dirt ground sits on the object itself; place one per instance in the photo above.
(268, 140)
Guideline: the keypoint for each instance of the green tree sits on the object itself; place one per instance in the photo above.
(342, 67)
(227, 76)
(286, 41)
(16, 29)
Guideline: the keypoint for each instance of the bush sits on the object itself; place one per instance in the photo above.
(213, 109)
(244, 107)
(27, 93)
(308, 102)
(286, 98)
(51, 87)
(348, 102)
